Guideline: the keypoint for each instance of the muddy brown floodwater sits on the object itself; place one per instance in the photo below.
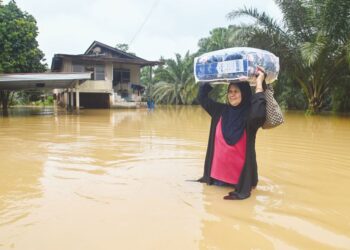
(116, 179)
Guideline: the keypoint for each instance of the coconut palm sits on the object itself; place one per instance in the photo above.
(176, 85)
(312, 42)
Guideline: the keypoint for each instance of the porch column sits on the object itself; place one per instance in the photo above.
(66, 98)
(150, 81)
(77, 100)
(71, 98)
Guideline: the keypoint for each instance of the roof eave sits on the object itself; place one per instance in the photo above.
(141, 62)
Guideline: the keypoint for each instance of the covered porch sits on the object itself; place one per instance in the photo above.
(69, 82)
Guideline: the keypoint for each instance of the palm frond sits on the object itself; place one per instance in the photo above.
(311, 51)
(299, 17)
(162, 91)
(261, 18)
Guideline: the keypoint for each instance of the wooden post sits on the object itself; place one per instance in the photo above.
(71, 99)
(66, 98)
(77, 100)
(150, 81)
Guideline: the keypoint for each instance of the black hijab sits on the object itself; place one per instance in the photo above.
(234, 117)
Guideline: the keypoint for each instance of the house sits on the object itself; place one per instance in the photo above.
(115, 76)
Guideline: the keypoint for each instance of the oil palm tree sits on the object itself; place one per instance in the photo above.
(312, 42)
(221, 38)
(176, 83)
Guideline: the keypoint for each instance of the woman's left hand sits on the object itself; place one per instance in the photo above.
(260, 71)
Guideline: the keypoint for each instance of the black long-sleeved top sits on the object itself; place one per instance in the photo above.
(256, 118)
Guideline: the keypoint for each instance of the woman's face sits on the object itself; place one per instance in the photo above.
(234, 96)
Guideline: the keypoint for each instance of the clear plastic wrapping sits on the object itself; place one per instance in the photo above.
(233, 63)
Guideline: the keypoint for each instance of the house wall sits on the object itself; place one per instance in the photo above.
(107, 83)
(109, 73)
(135, 73)
(96, 86)
(101, 87)
(67, 65)
(90, 86)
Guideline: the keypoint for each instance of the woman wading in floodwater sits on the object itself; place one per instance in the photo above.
(230, 158)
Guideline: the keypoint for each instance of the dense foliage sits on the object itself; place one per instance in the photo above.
(19, 50)
(313, 45)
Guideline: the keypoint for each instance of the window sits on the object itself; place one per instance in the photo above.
(121, 76)
(125, 76)
(99, 72)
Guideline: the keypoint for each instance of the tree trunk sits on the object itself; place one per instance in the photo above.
(4, 96)
(315, 105)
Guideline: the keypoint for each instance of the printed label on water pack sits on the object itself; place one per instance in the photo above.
(232, 66)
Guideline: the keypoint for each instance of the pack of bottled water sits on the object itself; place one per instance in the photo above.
(232, 64)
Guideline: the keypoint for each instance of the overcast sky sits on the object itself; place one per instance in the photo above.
(152, 28)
